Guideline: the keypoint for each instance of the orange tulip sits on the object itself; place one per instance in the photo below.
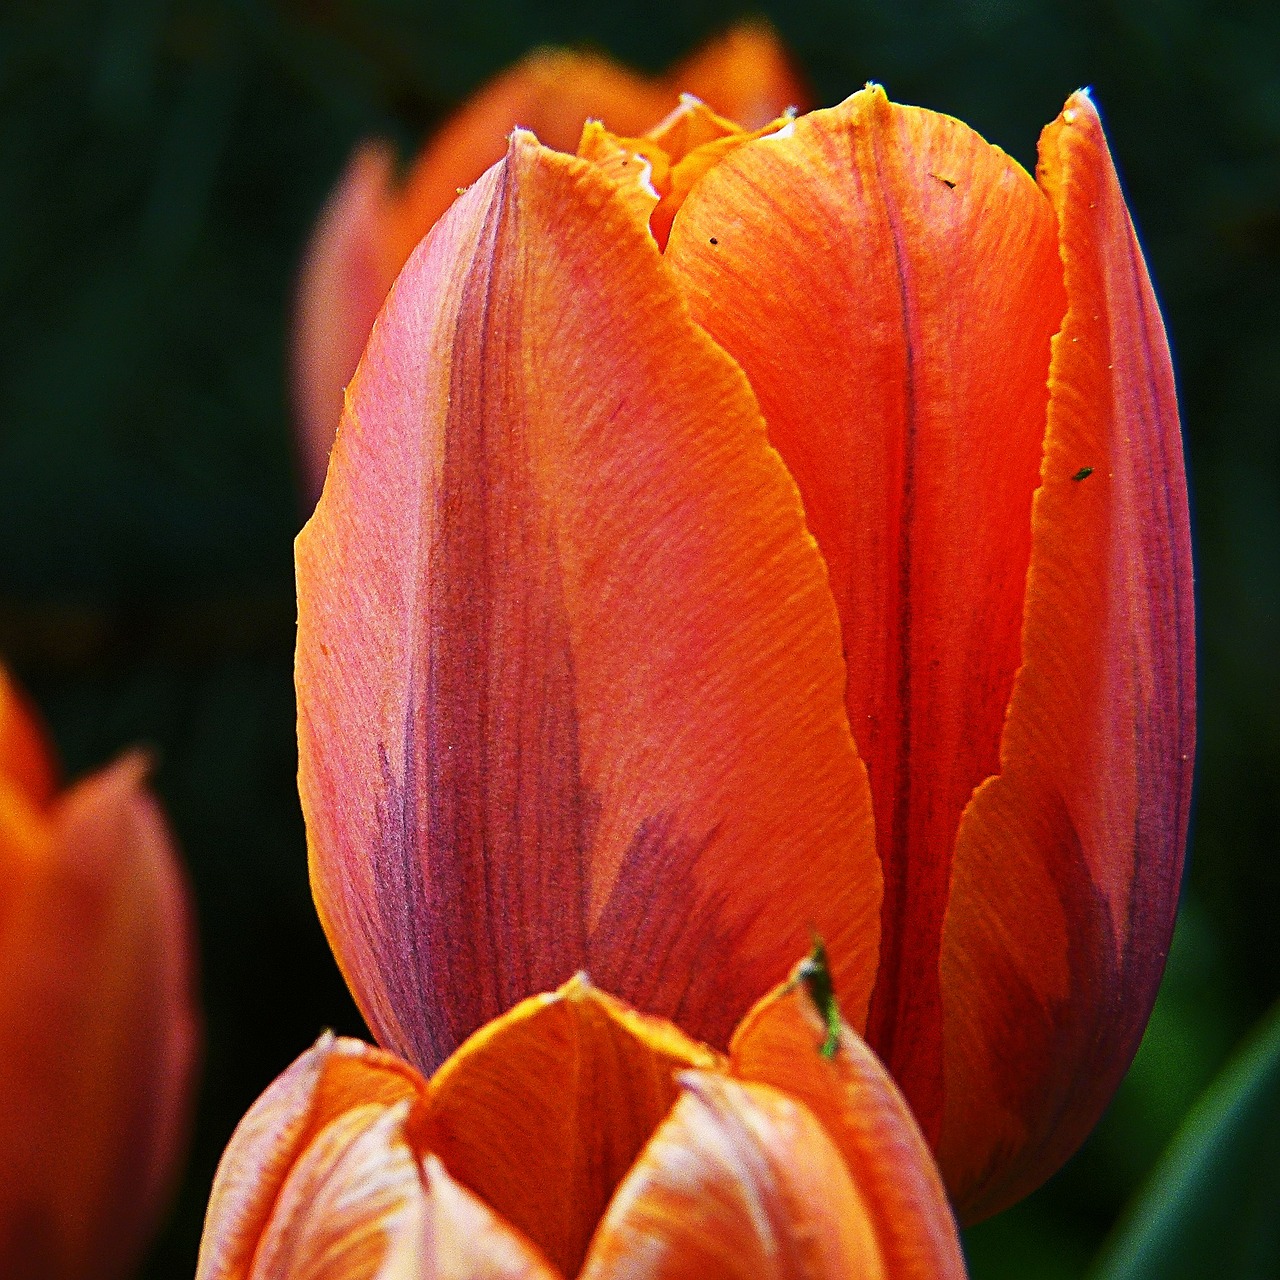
(372, 221)
(593, 673)
(98, 1029)
(573, 1136)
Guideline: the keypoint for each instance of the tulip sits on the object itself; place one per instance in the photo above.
(573, 1136)
(372, 221)
(98, 1030)
(729, 536)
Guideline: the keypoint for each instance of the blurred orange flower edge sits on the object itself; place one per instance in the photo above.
(372, 221)
(99, 1028)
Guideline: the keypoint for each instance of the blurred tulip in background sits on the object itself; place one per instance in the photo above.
(573, 1136)
(731, 534)
(373, 221)
(99, 1030)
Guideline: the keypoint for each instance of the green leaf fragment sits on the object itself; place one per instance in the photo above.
(1212, 1207)
(815, 973)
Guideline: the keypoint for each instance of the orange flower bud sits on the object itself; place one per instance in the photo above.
(98, 1029)
(573, 1136)
(737, 533)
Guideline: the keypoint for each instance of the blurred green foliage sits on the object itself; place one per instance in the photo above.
(161, 162)
(1210, 1208)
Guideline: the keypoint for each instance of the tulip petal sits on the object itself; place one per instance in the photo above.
(26, 760)
(544, 1110)
(1051, 976)
(352, 1206)
(569, 676)
(98, 1030)
(466, 1240)
(334, 1077)
(889, 283)
(29, 1243)
(658, 171)
(740, 1181)
(322, 1179)
(780, 1043)
(632, 169)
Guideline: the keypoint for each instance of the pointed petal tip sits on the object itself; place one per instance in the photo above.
(542, 1111)
(1081, 102)
(785, 1042)
(339, 1086)
(745, 74)
(132, 769)
(521, 139)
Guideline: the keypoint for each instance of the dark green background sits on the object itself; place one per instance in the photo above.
(160, 165)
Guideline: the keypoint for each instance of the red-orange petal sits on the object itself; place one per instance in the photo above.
(658, 171)
(780, 1043)
(889, 282)
(543, 1111)
(98, 1028)
(333, 1078)
(1067, 865)
(639, 170)
(569, 675)
(739, 1182)
(345, 275)
(26, 759)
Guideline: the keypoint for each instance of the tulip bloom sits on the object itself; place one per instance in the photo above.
(372, 221)
(573, 1136)
(734, 535)
(98, 1029)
